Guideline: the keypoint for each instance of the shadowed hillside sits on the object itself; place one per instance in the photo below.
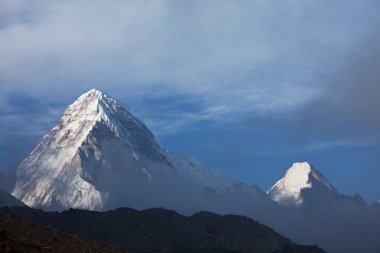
(161, 230)
(17, 235)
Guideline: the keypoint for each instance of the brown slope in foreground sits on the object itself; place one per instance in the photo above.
(17, 235)
(161, 230)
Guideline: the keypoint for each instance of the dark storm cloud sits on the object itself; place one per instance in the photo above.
(347, 112)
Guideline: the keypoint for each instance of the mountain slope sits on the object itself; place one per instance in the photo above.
(305, 187)
(209, 179)
(160, 230)
(215, 192)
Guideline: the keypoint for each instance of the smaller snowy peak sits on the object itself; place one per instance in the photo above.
(307, 188)
(298, 177)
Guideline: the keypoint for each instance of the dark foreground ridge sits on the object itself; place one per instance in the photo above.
(161, 230)
(18, 235)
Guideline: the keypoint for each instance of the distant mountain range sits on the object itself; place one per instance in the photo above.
(100, 157)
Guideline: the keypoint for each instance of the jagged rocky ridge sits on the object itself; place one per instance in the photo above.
(160, 230)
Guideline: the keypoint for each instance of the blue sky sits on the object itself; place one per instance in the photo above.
(248, 87)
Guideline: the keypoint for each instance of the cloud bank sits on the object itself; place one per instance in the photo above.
(227, 56)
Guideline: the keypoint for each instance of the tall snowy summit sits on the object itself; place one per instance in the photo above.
(92, 148)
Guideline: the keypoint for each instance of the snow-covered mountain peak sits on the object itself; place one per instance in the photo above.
(89, 109)
(90, 100)
(95, 138)
(79, 118)
(306, 187)
(96, 101)
(297, 178)
(92, 92)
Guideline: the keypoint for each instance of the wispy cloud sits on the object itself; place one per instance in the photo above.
(227, 58)
(342, 144)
